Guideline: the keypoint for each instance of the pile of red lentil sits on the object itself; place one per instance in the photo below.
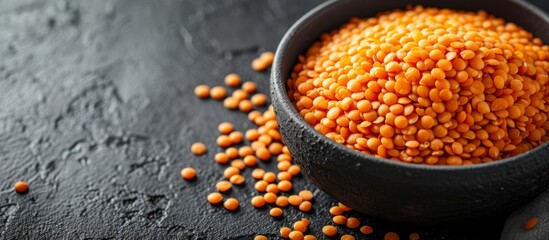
(427, 86)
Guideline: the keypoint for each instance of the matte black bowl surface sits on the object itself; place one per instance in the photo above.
(394, 191)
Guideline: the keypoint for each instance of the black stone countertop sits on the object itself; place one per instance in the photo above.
(97, 112)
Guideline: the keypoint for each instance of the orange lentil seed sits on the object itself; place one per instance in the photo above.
(260, 237)
(223, 186)
(339, 220)
(309, 237)
(202, 91)
(249, 87)
(391, 236)
(366, 229)
(295, 200)
(282, 201)
(347, 237)
(232, 80)
(218, 92)
(215, 198)
(414, 236)
(22, 187)
(270, 197)
(531, 223)
(275, 212)
(198, 148)
(224, 141)
(258, 173)
(225, 127)
(221, 158)
(237, 179)
(187, 173)
(300, 226)
(329, 230)
(353, 223)
(296, 235)
(230, 204)
(285, 232)
(306, 195)
(305, 206)
(259, 99)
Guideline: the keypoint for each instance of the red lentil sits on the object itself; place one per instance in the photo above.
(347, 237)
(353, 222)
(249, 87)
(187, 173)
(276, 212)
(414, 236)
(22, 187)
(218, 93)
(202, 91)
(391, 236)
(232, 80)
(260, 237)
(231, 204)
(329, 230)
(282, 201)
(223, 186)
(198, 148)
(285, 232)
(258, 201)
(530, 224)
(215, 198)
(366, 229)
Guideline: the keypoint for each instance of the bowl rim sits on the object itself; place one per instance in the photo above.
(278, 89)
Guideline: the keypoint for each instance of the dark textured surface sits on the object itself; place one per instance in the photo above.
(395, 191)
(97, 112)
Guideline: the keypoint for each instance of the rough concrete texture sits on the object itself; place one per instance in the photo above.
(97, 112)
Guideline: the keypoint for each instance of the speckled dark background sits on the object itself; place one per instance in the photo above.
(97, 113)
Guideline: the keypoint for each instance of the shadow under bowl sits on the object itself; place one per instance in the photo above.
(391, 190)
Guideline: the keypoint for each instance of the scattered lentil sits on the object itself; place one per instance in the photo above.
(232, 80)
(305, 206)
(260, 237)
(285, 232)
(221, 158)
(224, 141)
(275, 212)
(187, 173)
(531, 223)
(353, 223)
(347, 237)
(366, 229)
(414, 236)
(21, 187)
(339, 220)
(225, 128)
(223, 186)
(215, 198)
(218, 93)
(282, 201)
(259, 99)
(329, 230)
(231, 204)
(391, 236)
(202, 91)
(198, 148)
(249, 87)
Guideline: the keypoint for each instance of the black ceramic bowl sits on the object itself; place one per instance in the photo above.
(395, 191)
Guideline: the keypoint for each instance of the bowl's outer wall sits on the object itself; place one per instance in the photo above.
(394, 191)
